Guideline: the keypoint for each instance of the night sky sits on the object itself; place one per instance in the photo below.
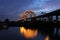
(13, 8)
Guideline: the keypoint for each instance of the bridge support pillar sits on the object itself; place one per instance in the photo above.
(42, 18)
(56, 18)
(50, 18)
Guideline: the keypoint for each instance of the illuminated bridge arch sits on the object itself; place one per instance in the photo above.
(27, 14)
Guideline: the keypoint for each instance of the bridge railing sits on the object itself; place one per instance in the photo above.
(53, 18)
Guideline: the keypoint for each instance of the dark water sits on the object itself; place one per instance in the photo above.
(13, 33)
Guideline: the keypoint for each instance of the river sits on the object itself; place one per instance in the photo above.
(13, 33)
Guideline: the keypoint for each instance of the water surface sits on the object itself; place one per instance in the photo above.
(13, 33)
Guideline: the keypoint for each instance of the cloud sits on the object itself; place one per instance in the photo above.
(14, 8)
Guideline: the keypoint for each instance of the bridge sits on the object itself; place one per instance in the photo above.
(44, 23)
(46, 20)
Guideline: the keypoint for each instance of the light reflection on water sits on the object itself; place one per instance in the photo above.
(13, 33)
(28, 33)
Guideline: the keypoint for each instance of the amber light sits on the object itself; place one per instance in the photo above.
(47, 37)
(28, 33)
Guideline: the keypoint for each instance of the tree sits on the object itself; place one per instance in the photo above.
(6, 20)
(43, 12)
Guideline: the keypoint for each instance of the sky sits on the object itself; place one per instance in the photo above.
(12, 9)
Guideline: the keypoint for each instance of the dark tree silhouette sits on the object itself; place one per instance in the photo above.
(43, 12)
(6, 20)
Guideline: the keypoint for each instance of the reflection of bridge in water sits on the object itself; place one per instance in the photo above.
(45, 23)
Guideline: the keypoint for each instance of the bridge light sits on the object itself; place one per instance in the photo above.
(27, 14)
